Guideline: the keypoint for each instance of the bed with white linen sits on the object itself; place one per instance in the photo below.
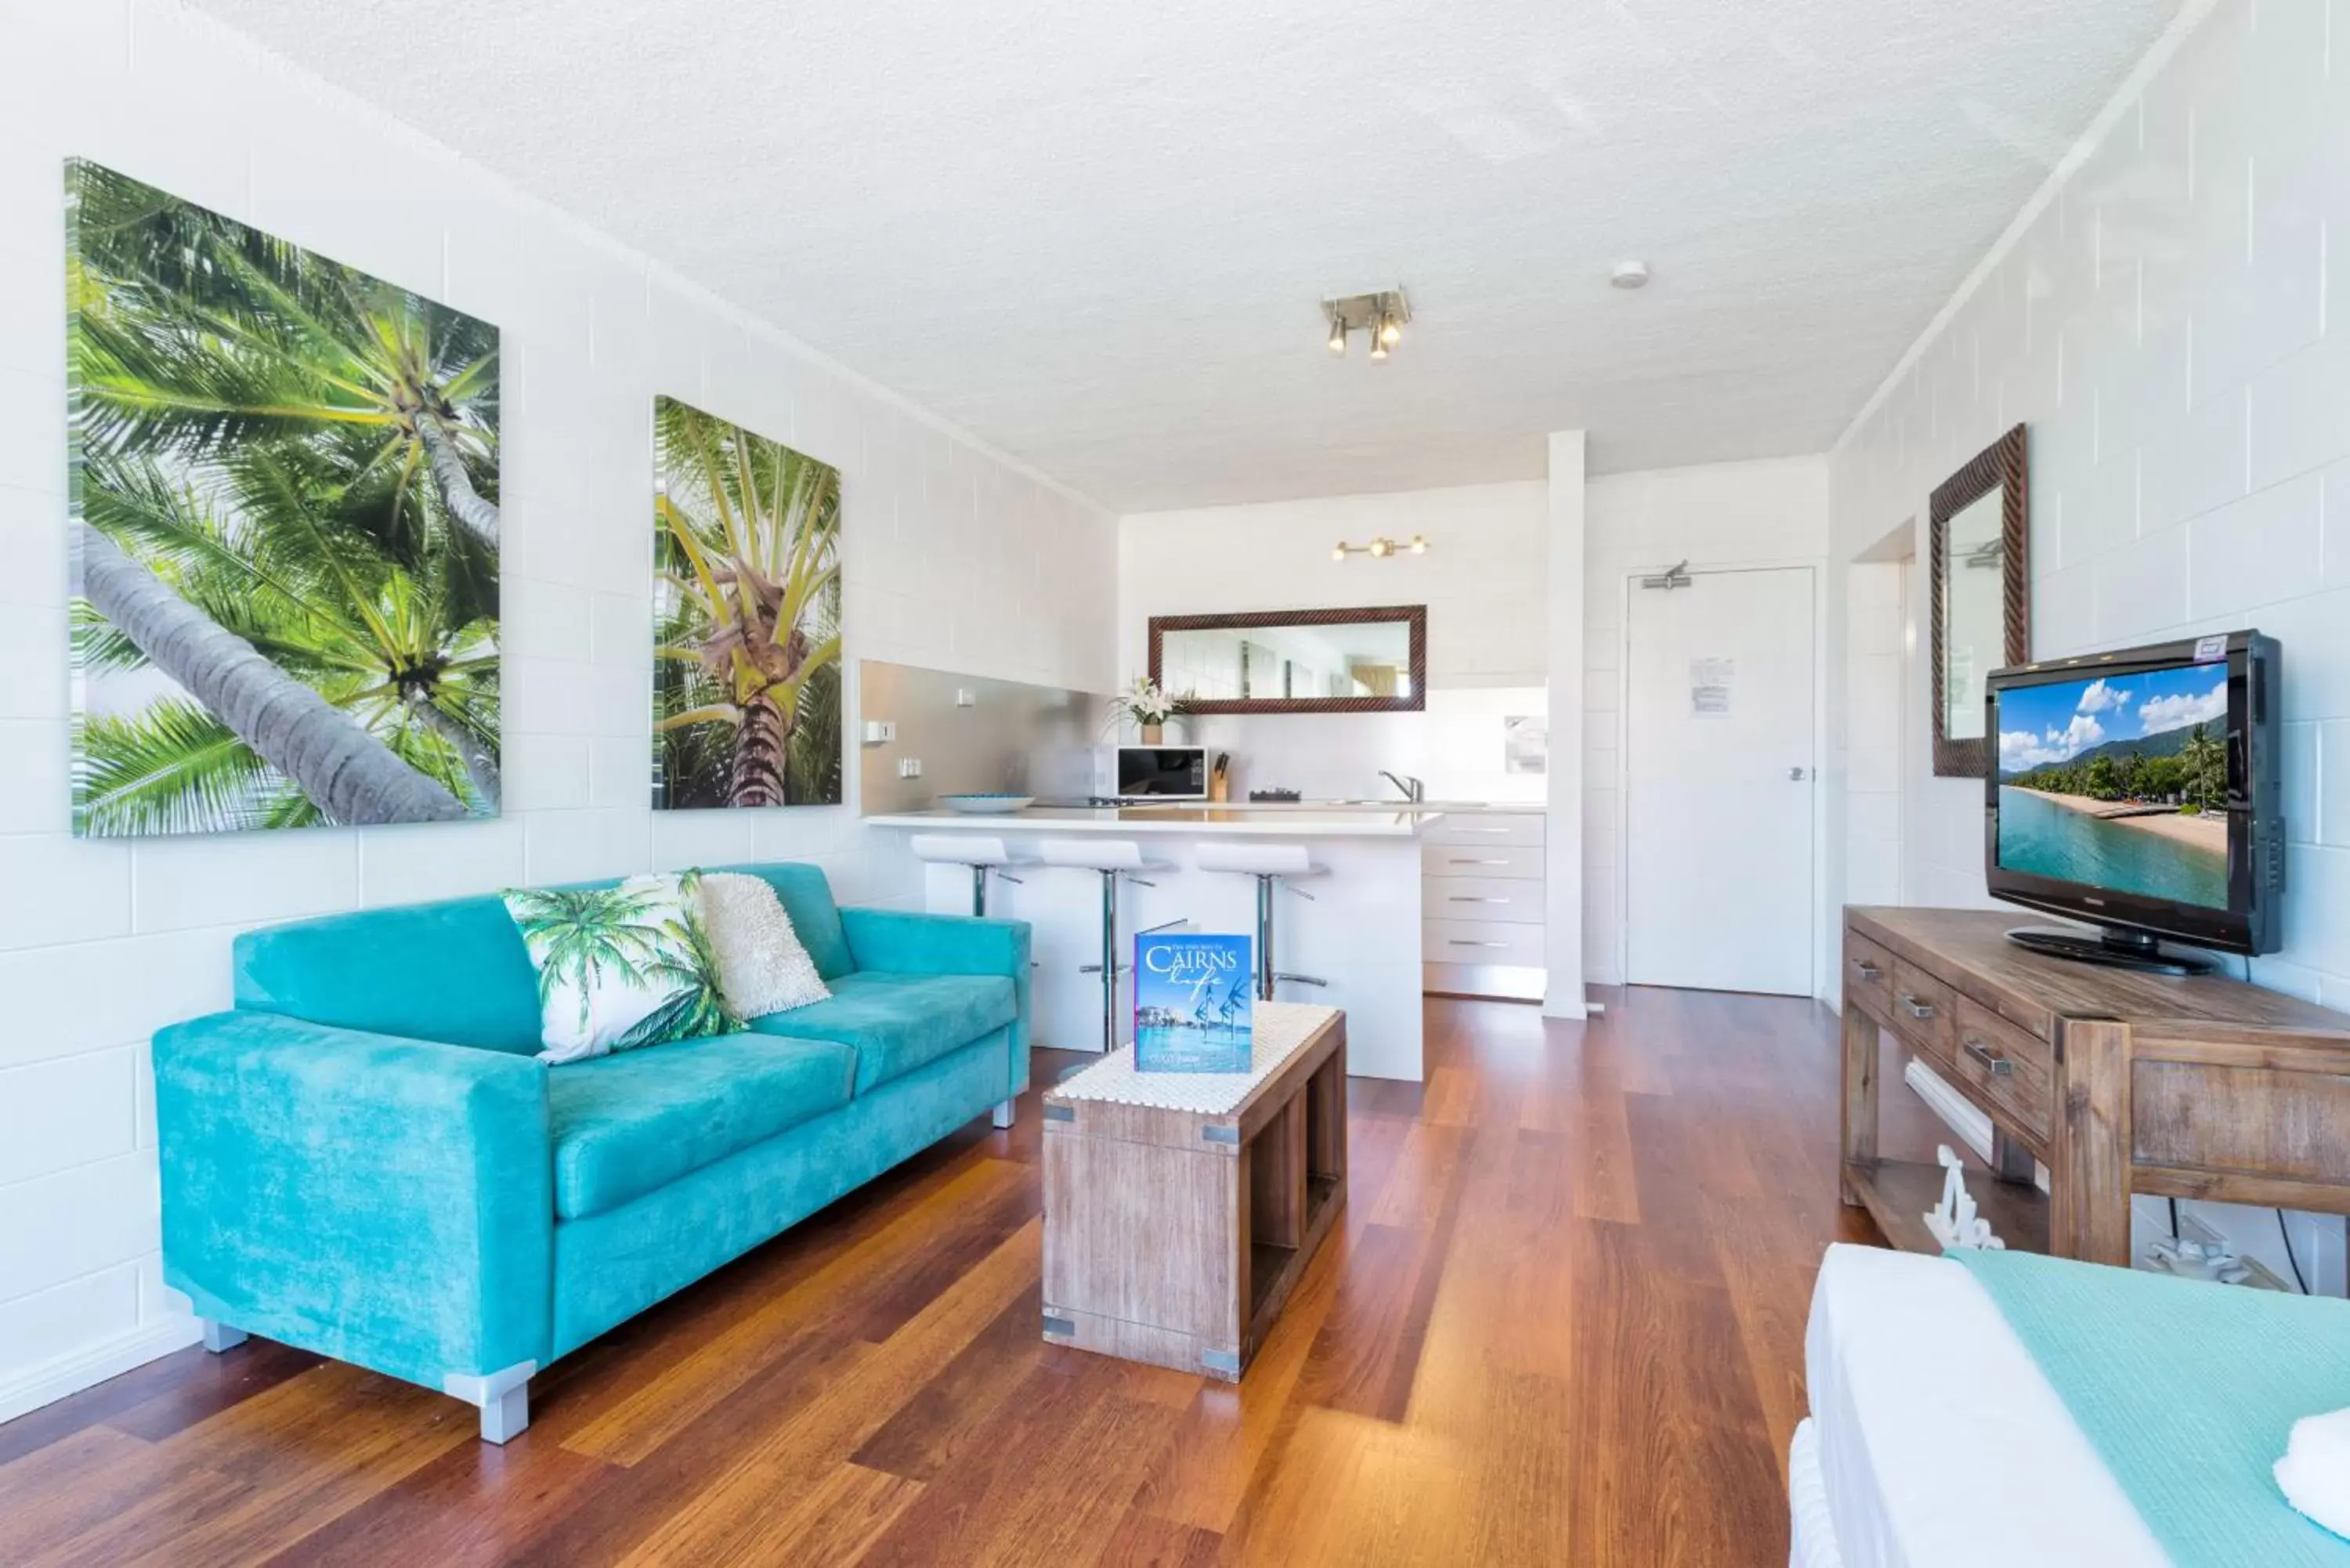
(1934, 1441)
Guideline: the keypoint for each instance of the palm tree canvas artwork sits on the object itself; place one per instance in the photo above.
(746, 605)
(285, 531)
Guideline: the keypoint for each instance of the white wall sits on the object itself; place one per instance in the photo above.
(954, 557)
(1568, 527)
(1719, 514)
(2162, 327)
(1482, 580)
(2169, 319)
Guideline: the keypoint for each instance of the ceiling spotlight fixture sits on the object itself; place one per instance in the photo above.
(1381, 548)
(1379, 316)
(1630, 274)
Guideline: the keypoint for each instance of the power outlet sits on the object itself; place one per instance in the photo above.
(909, 767)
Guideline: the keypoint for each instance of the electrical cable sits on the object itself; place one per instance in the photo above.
(2283, 1231)
(2174, 1219)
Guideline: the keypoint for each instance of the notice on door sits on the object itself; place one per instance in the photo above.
(1710, 684)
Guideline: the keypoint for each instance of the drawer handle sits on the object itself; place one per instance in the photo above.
(1466, 898)
(1866, 969)
(1993, 1063)
(1465, 943)
(1457, 860)
(1916, 1009)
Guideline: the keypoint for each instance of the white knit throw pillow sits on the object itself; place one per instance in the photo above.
(762, 967)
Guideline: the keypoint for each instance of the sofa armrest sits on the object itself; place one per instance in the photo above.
(900, 941)
(381, 1201)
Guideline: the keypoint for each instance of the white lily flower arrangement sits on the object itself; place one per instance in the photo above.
(1145, 703)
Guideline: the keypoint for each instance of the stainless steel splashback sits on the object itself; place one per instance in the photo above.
(1010, 736)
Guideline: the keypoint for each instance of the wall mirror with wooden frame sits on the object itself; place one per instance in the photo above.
(1978, 539)
(1370, 660)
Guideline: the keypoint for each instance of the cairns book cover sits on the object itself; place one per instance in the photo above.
(1191, 1003)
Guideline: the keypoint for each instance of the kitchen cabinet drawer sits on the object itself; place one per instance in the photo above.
(1480, 941)
(1516, 901)
(2008, 1067)
(1515, 861)
(1922, 1008)
(1510, 828)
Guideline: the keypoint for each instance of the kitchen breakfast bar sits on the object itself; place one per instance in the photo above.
(1352, 921)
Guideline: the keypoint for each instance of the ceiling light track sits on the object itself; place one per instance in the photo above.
(1381, 548)
(1380, 317)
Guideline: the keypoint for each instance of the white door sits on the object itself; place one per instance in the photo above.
(1718, 782)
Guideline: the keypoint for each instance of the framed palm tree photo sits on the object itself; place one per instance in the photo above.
(285, 530)
(746, 607)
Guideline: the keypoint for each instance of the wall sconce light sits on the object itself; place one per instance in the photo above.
(1381, 548)
(1379, 316)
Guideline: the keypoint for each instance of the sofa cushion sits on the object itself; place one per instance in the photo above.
(899, 1022)
(626, 1124)
(455, 972)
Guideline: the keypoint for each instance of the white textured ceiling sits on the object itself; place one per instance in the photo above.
(1096, 233)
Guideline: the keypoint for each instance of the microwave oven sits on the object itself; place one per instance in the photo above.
(1173, 773)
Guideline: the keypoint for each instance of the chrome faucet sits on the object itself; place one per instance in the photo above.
(1413, 789)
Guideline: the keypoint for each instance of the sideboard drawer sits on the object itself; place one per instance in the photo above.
(1921, 1009)
(1515, 899)
(1868, 973)
(1522, 861)
(1486, 829)
(1482, 941)
(2012, 1068)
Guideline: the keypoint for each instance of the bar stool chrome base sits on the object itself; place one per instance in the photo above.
(980, 853)
(1269, 864)
(1115, 860)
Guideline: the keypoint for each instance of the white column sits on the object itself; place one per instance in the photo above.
(1563, 852)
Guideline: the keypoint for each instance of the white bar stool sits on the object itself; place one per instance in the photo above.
(978, 852)
(1269, 864)
(1112, 859)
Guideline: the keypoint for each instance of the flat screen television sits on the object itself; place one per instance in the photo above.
(2138, 791)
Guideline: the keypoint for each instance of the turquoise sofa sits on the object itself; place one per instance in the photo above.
(363, 1157)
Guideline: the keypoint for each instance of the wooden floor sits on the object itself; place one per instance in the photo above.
(1563, 1325)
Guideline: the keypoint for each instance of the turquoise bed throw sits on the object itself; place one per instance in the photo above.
(2188, 1391)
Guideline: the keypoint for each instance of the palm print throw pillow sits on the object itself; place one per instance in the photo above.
(620, 967)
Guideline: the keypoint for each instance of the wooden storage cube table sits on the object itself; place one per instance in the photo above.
(1180, 1208)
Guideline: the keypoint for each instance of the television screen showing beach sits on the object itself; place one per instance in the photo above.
(2120, 782)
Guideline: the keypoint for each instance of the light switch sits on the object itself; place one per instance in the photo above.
(880, 731)
(909, 767)
(965, 696)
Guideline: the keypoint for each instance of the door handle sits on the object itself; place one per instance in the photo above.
(1993, 1063)
(1799, 775)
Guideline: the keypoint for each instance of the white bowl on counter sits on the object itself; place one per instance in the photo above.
(987, 805)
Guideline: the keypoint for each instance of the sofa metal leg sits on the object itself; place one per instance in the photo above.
(219, 1336)
(1004, 1112)
(506, 1415)
(503, 1398)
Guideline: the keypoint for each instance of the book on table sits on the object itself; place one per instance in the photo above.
(1193, 997)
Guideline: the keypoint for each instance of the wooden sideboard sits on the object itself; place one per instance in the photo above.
(2115, 1081)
